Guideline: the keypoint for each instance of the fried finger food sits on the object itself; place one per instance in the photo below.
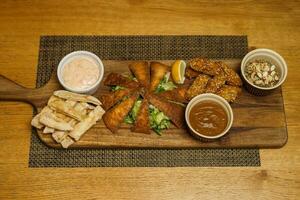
(229, 93)
(116, 115)
(110, 99)
(141, 71)
(190, 73)
(174, 111)
(114, 79)
(205, 66)
(158, 71)
(142, 123)
(215, 83)
(232, 78)
(178, 94)
(198, 86)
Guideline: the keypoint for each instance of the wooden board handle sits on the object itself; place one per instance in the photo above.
(11, 91)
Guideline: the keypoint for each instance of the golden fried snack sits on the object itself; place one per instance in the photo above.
(205, 66)
(215, 83)
(190, 73)
(114, 79)
(158, 71)
(198, 86)
(116, 115)
(110, 99)
(172, 110)
(178, 94)
(141, 71)
(232, 78)
(142, 122)
(229, 93)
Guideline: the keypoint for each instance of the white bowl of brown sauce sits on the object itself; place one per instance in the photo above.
(208, 116)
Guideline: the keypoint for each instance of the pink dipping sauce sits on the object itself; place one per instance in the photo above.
(80, 73)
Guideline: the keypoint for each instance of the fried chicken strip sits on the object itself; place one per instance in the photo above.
(229, 93)
(158, 71)
(198, 86)
(215, 83)
(110, 99)
(206, 66)
(232, 78)
(190, 73)
(141, 71)
(114, 79)
(115, 116)
(178, 94)
(172, 110)
(142, 122)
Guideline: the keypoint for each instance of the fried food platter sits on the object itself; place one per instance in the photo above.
(258, 121)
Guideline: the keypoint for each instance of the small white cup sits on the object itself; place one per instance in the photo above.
(210, 97)
(92, 89)
(270, 56)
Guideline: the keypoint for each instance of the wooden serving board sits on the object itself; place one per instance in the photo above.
(258, 121)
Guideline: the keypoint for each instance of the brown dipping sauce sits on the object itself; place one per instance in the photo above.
(208, 118)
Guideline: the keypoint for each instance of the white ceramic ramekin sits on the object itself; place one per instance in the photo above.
(272, 57)
(73, 55)
(210, 97)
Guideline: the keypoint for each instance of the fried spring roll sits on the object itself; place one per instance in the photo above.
(110, 99)
(141, 71)
(174, 111)
(114, 79)
(158, 71)
(142, 122)
(178, 94)
(116, 115)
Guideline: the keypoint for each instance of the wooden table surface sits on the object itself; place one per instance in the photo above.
(270, 24)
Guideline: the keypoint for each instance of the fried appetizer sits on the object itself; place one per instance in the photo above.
(205, 66)
(190, 73)
(142, 122)
(141, 71)
(178, 94)
(198, 86)
(110, 99)
(158, 71)
(215, 83)
(172, 110)
(232, 78)
(114, 79)
(229, 93)
(116, 115)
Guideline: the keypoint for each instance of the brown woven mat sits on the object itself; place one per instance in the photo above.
(53, 48)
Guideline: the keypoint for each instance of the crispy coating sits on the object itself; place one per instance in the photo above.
(110, 99)
(142, 122)
(158, 71)
(141, 71)
(172, 110)
(114, 79)
(115, 116)
(198, 86)
(206, 66)
(232, 78)
(178, 94)
(190, 73)
(215, 83)
(229, 93)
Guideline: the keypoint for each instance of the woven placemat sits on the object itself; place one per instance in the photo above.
(53, 48)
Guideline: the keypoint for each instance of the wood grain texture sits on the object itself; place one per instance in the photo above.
(270, 24)
(259, 121)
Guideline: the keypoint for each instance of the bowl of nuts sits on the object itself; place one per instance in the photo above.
(263, 70)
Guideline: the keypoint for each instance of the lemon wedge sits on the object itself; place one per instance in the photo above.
(178, 71)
